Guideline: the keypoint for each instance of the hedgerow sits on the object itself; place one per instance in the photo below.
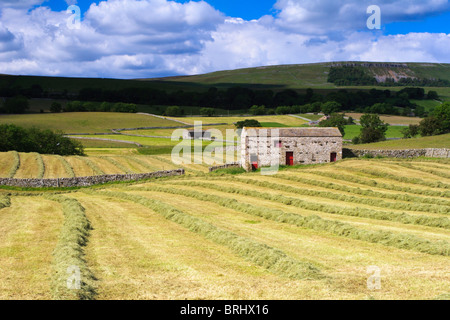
(438, 222)
(67, 166)
(387, 238)
(15, 166)
(69, 252)
(96, 170)
(274, 260)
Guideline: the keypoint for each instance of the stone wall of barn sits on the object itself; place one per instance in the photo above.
(306, 150)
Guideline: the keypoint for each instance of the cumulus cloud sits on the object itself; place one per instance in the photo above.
(146, 38)
(325, 16)
(20, 3)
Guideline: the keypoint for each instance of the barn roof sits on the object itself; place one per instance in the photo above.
(295, 132)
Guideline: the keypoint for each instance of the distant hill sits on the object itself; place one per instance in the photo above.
(299, 76)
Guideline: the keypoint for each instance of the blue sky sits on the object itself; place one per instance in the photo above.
(153, 38)
(254, 9)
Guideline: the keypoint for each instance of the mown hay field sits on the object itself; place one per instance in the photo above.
(35, 166)
(312, 232)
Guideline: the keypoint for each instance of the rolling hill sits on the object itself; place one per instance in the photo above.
(299, 76)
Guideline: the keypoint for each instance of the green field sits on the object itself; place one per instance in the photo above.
(352, 131)
(441, 141)
(86, 122)
(305, 233)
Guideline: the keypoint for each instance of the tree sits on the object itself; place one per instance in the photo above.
(16, 105)
(442, 112)
(173, 111)
(336, 120)
(429, 126)
(373, 128)
(56, 107)
(331, 107)
(37, 140)
(249, 123)
(209, 112)
(411, 131)
(258, 110)
(432, 95)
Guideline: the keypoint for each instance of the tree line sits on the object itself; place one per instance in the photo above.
(37, 140)
(358, 76)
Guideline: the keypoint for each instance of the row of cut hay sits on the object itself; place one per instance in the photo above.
(364, 192)
(387, 238)
(436, 222)
(5, 201)
(117, 164)
(41, 166)
(385, 175)
(15, 165)
(434, 172)
(349, 198)
(96, 170)
(67, 167)
(273, 260)
(69, 253)
(142, 163)
(444, 161)
(387, 186)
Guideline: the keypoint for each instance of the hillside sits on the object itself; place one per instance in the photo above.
(440, 141)
(280, 77)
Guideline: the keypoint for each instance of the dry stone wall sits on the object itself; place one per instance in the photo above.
(86, 181)
(225, 166)
(406, 153)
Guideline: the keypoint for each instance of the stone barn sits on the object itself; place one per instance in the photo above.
(292, 146)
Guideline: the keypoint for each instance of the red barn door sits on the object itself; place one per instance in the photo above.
(289, 158)
(333, 157)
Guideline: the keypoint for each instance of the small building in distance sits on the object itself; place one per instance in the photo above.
(197, 134)
(293, 145)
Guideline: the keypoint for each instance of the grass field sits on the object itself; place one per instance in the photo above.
(285, 120)
(352, 131)
(392, 120)
(440, 141)
(306, 233)
(82, 122)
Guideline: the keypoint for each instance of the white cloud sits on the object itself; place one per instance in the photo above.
(325, 16)
(134, 39)
(23, 4)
